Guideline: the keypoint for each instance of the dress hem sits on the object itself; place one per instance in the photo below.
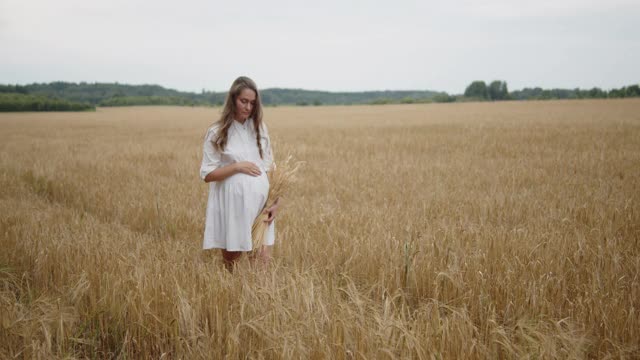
(224, 248)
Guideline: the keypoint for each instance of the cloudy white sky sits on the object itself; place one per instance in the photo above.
(324, 45)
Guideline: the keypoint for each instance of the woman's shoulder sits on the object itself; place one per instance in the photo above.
(212, 130)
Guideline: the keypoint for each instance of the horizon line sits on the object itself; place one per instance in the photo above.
(302, 89)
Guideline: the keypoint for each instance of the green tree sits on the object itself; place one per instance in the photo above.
(632, 91)
(597, 93)
(498, 90)
(616, 93)
(444, 98)
(477, 89)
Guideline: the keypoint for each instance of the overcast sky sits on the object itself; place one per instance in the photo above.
(323, 45)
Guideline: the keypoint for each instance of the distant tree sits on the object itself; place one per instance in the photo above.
(596, 93)
(617, 93)
(632, 91)
(444, 98)
(477, 89)
(381, 101)
(498, 90)
(15, 89)
(26, 102)
(545, 95)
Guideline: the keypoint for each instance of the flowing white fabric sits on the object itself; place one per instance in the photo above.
(234, 203)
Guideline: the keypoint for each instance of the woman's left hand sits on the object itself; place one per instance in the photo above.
(272, 211)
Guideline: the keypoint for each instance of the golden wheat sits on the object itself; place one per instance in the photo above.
(281, 178)
(478, 230)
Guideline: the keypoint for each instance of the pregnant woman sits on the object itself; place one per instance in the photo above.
(236, 158)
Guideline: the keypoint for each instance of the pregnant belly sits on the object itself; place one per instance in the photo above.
(243, 185)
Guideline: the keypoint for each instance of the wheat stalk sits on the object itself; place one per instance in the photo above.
(280, 180)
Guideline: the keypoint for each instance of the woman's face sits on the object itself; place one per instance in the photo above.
(245, 101)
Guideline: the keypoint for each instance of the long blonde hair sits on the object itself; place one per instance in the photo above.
(226, 119)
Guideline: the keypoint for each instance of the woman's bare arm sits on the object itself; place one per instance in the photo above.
(221, 173)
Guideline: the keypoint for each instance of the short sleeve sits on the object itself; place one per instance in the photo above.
(211, 157)
(267, 150)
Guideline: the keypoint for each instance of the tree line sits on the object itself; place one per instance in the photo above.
(66, 96)
(497, 90)
(114, 94)
(151, 100)
(27, 102)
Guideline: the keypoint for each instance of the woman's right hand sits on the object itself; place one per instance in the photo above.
(247, 167)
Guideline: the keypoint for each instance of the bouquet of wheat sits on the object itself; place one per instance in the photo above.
(280, 180)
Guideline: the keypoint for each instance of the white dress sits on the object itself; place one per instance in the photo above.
(234, 203)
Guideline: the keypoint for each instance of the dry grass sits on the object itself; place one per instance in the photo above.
(505, 230)
(281, 178)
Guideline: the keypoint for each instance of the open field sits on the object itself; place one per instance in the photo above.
(475, 230)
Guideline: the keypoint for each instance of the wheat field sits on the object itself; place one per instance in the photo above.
(433, 231)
